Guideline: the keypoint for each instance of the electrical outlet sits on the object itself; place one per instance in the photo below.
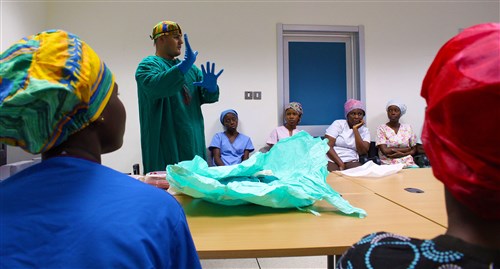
(248, 96)
(257, 95)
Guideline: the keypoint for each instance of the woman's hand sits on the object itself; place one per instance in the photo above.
(332, 154)
(217, 157)
(400, 152)
(358, 125)
(362, 147)
(396, 154)
(341, 165)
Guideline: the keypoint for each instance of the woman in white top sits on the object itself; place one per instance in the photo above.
(348, 138)
(293, 114)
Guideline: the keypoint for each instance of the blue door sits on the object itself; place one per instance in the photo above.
(321, 69)
(317, 80)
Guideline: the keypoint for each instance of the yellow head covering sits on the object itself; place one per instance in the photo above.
(52, 85)
(165, 28)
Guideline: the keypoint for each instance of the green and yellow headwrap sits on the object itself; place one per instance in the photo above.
(165, 28)
(52, 85)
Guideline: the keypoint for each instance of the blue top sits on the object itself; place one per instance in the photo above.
(231, 153)
(72, 213)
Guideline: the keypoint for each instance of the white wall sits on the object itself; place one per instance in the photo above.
(401, 40)
(19, 19)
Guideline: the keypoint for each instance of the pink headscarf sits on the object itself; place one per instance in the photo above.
(352, 104)
(462, 90)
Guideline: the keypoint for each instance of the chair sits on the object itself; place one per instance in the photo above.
(3, 154)
(265, 148)
(210, 160)
(10, 169)
(421, 160)
(371, 156)
(136, 170)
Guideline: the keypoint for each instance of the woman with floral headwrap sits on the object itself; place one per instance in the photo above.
(466, 68)
(293, 114)
(348, 138)
(396, 141)
(230, 147)
(59, 99)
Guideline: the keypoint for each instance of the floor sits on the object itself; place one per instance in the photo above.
(267, 263)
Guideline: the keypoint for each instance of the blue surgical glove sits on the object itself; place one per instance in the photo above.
(209, 81)
(189, 57)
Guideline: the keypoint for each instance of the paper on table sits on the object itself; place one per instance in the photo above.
(371, 169)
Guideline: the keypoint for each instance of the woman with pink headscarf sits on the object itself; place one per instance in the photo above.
(348, 138)
(462, 91)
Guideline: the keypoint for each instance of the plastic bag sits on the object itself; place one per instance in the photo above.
(371, 169)
(292, 174)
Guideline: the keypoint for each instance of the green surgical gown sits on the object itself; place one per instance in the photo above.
(172, 127)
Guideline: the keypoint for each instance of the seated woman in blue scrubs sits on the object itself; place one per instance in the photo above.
(59, 99)
(230, 147)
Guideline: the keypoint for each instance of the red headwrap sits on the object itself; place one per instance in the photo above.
(460, 134)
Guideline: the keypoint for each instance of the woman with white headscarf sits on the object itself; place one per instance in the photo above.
(396, 141)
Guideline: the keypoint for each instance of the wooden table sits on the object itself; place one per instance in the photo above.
(429, 204)
(251, 231)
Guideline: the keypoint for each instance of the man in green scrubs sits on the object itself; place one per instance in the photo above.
(171, 92)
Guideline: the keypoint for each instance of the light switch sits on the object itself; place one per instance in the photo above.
(257, 95)
(248, 96)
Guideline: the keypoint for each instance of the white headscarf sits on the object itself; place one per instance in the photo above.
(401, 106)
